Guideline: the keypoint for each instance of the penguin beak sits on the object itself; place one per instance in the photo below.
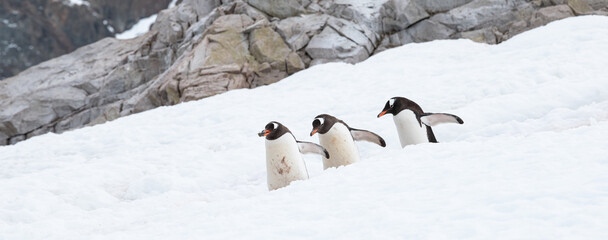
(314, 131)
(263, 133)
(382, 113)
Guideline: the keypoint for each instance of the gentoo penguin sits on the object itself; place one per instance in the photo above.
(413, 124)
(284, 163)
(338, 138)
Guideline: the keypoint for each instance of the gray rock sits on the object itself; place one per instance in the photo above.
(246, 9)
(394, 40)
(209, 85)
(267, 45)
(28, 118)
(39, 131)
(16, 139)
(400, 14)
(111, 112)
(329, 44)
(429, 30)
(597, 4)
(480, 14)
(225, 44)
(580, 7)
(485, 35)
(168, 28)
(229, 47)
(549, 14)
(279, 8)
(363, 13)
(32, 102)
(435, 6)
(213, 69)
(3, 139)
(201, 8)
(293, 63)
(350, 31)
(267, 73)
(77, 120)
(298, 30)
(64, 100)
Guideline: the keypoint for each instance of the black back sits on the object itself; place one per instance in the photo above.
(327, 124)
(400, 104)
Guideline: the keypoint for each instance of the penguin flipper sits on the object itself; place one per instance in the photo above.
(364, 135)
(308, 147)
(432, 119)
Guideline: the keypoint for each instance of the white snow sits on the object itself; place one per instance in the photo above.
(530, 161)
(78, 3)
(142, 26)
(8, 23)
(368, 8)
(109, 27)
(172, 3)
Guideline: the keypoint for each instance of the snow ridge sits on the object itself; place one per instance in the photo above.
(78, 3)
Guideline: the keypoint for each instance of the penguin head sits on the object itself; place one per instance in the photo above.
(273, 130)
(323, 123)
(397, 104)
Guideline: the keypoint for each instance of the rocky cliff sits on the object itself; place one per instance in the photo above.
(202, 48)
(32, 31)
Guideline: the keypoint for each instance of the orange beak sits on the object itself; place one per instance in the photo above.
(263, 133)
(313, 131)
(382, 113)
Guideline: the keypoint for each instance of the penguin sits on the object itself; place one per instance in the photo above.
(338, 138)
(284, 163)
(413, 124)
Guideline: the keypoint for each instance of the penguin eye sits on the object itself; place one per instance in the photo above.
(275, 125)
(391, 102)
(269, 126)
(318, 122)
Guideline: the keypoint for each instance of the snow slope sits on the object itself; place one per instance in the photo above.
(530, 162)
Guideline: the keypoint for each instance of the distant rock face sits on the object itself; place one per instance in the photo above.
(202, 48)
(32, 31)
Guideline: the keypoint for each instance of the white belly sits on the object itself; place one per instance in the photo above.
(284, 162)
(340, 145)
(409, 130)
